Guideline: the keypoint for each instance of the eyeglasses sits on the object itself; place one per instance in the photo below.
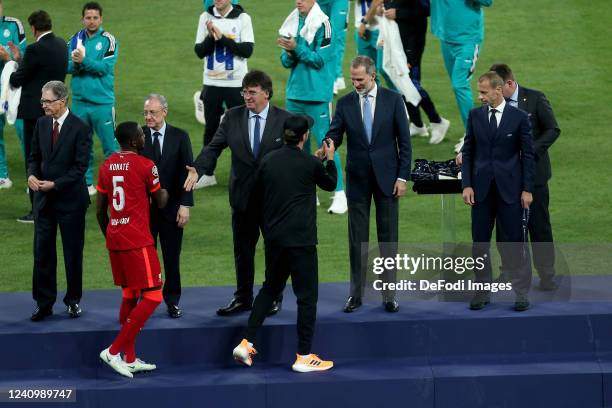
(249, 93)
(151, 112)
(48, 101)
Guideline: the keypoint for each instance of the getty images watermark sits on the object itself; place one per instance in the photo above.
(407, 264)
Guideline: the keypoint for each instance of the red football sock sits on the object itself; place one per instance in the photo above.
(130, 352)
(134, 322)
(127, 305)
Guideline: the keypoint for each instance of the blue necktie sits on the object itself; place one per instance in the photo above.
(256, 136)
(367, 117)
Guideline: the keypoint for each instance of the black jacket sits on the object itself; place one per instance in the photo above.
(544, 128)
(233, 132)
(176, 154)
(65, 164)
(286, 194)
(45, 60)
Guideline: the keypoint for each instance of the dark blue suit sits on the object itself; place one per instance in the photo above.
(499, 165)
(372, 170)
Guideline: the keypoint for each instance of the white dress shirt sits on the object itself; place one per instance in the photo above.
(60, 121)
(372, 95)
(499, 113)
(162, 132)
(263, 117)
(514, 98)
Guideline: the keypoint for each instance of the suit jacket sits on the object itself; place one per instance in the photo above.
(233, 132)
(176, 154)
(390, 153)
(43, 61)
(286, 193)
(544, 128)
(65, 164)
(505, 157)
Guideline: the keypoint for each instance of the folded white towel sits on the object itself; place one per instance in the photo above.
(314, 20)
(9, 97)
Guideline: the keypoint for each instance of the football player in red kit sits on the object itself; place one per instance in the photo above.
(126, 180)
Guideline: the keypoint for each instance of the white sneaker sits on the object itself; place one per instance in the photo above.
(459, 145)
(438, 131)
(115, 362)
(5, 183)
(91, 190)
(339, 205)
(418, 131)
(244, 352)
(139, 366)
(339, 85)
(206, 181)
(199, 107)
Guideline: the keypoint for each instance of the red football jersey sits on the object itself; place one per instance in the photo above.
(127, 179)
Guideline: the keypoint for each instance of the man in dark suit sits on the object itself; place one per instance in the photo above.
(498, 177)
(56, 169)
(545, 132)
(170, 150)
(250, 131)
(44, 61)
(285, 192)
(377, 166)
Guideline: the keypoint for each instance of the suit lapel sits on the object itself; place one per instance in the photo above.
(46, 135)
(166, 151)
(356, 111)
(522, 99)
(378, 114)
(244, 131)
(64, 131)
(148, 147)
(265, 137)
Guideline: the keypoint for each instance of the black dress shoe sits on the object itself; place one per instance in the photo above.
(276, 307)
(39, 314)
(174, 311)
(391, 306)
(480, 301)
(521, 305)
(235, 306)
(352, 303)
(74, 310)
(547, 285)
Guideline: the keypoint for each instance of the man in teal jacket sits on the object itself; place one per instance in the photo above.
(310, 85)
(11, 32)
(459, 26)
(337, 11)
(91, 61)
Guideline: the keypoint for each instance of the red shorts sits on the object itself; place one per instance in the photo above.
(136, 268)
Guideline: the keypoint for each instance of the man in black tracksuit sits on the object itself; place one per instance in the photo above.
(286, 194)
(411, 17)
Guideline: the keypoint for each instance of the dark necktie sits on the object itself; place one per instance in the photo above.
(493, 121)
(55, 133)
(156, 148)
(256, 136)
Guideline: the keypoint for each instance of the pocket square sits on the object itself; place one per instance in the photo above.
(278, 139)
(509, 135)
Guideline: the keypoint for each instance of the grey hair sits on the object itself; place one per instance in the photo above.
(160, 98)
(58, 88)
(364, 61)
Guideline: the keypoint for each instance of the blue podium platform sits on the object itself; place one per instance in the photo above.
(429, 354)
